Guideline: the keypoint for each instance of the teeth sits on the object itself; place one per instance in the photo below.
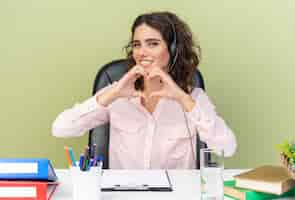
(145, 62)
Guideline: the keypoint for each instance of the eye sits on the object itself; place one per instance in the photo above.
(153, 44)
(135, 45)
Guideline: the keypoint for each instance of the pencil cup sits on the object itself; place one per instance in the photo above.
(86, 184)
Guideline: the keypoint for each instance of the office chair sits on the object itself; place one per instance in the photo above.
(109, 73)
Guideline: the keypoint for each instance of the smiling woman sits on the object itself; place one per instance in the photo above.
(154, 127)
(149, 49)
(164, 32)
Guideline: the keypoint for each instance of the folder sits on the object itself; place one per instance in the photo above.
(26, 168)
(136, 180)
(27, 190)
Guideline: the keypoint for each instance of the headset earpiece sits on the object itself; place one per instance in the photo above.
(173, 48)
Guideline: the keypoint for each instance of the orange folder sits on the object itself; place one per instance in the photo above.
(26, 190)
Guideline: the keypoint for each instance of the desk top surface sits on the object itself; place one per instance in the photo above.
(186, 185)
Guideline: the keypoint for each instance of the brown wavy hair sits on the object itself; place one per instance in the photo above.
(188, 51)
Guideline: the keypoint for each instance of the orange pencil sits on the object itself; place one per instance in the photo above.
(68, 156)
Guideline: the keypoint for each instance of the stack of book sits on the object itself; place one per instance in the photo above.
(261, 183)
(27, 179)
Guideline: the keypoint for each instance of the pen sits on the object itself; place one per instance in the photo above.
(93, 151)
(94, 162)
(81, 161)
(68, 156)
(72, 157)
(87, 165)
(86, 157)
(90, 164)
(99, 161)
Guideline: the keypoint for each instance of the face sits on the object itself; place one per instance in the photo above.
(149, 48)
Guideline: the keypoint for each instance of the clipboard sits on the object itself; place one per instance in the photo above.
(136, 180)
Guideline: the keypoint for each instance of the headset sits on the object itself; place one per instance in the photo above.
(172, 47)
(174, 55)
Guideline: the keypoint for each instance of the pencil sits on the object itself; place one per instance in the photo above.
(68, 156)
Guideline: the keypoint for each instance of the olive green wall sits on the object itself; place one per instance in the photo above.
(50, 52)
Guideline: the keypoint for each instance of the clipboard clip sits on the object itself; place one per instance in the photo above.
(131, 187)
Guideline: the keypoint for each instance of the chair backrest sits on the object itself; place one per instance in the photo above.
(109, 73)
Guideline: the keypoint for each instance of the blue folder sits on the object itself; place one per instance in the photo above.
(26, 169)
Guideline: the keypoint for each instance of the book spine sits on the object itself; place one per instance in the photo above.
(19, 190)
(24, 169)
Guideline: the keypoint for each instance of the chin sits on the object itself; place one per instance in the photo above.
(147, 68)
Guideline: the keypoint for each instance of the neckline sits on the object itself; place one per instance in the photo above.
(138, 104)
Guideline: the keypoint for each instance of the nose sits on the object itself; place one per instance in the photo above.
(142, 51)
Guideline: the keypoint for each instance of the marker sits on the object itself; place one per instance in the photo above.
(72, 156)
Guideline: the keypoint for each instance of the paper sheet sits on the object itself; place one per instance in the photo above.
(135, 178)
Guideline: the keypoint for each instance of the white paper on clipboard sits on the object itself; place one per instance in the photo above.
(136, 180)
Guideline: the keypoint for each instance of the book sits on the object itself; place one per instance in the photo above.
(267, 178)
(26, 190)
(230, 190)
(26, 168)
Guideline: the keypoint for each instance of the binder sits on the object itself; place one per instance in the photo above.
(26, 169)
(27, 190)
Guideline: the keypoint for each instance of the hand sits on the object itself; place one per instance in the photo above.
(125, 86)
(171, 90)
(168, 89)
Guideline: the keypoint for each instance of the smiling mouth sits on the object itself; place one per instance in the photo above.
(145, 62)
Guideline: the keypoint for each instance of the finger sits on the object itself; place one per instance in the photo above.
(135, 67)
(125, 78)
(158, 78)
(156, 94)
(132, 75)
(138, 68)
(136, 76)
(139, 94)
(138, 72)
(157, 73)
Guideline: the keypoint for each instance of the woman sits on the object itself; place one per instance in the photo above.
(153, 110)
